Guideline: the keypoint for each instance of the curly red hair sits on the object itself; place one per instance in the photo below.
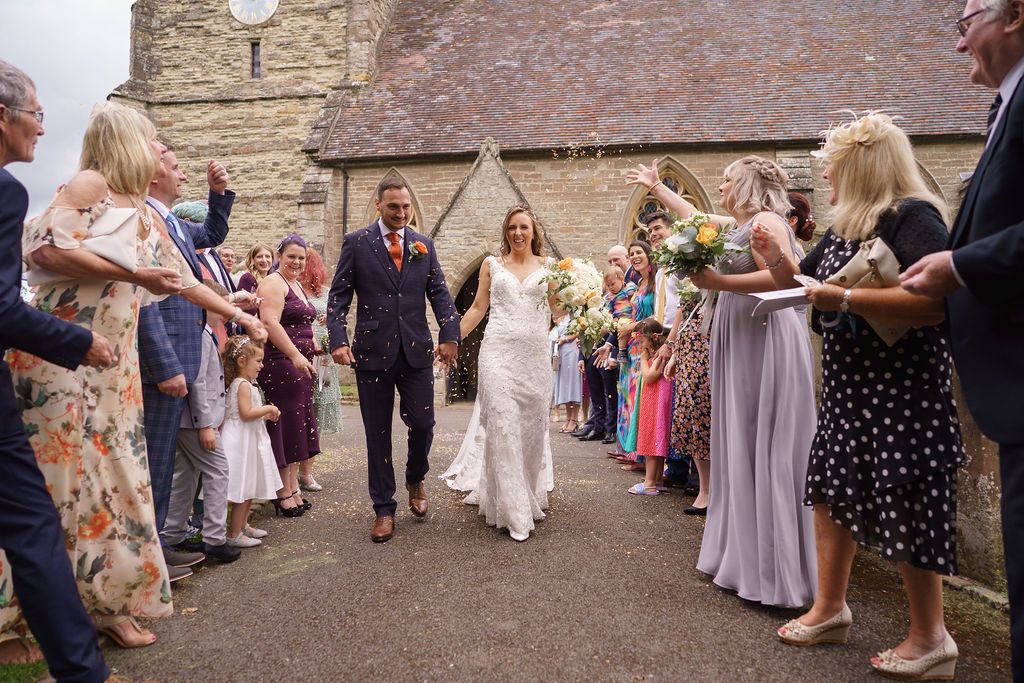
(314, 275)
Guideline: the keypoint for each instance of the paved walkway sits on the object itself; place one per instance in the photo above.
(605, 590)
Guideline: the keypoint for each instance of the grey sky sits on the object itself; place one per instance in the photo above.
(76, 51)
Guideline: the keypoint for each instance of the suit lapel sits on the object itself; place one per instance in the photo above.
(381, 250)
(410, 238)
(963, 218)
(190, 254)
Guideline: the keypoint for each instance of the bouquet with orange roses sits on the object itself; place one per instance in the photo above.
(696, 243)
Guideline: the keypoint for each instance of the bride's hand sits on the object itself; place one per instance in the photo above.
(642, 175)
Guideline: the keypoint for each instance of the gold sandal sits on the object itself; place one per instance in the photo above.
(115, 634)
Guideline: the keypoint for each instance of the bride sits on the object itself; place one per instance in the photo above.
(505, 459)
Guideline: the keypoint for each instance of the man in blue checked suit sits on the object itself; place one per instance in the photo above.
(170, 337)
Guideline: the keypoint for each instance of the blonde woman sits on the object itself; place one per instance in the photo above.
(758, 540)
(883, 464)
(258, 263)
(86, 425)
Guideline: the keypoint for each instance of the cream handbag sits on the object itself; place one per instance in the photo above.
(113, 236)
(873, 266)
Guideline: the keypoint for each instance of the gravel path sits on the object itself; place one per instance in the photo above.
(605, 590)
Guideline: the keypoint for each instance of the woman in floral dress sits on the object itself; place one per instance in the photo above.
(630, 382)
(86, 425)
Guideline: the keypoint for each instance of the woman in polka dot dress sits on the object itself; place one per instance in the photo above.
(882, 469)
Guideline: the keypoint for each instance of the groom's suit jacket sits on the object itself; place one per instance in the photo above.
(986, 317)
(391, 312)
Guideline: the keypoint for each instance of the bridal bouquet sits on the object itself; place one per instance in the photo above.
(695, 243)
(577, 289)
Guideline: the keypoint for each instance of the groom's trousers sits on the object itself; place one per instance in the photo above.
(416, 408)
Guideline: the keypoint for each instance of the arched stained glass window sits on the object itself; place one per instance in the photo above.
(676, 178)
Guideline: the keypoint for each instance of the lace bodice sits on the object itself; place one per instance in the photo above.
(519, 310)
(231, 411)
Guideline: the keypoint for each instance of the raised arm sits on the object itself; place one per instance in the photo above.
(649, 178)
(481, 302)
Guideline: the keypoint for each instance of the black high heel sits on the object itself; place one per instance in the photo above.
(306, 505)
(287, 512)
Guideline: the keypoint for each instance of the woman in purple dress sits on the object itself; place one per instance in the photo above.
(287, 375)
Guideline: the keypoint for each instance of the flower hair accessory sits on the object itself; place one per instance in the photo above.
(864, 131)
(417, 250)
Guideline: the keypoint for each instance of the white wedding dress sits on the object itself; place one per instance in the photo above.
(505, 458)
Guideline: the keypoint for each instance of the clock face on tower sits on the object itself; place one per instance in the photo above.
(252, 11)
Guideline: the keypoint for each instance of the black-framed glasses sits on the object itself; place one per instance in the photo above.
(962, 25)
(38, 115)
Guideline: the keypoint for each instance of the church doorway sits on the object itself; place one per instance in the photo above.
(462, 381)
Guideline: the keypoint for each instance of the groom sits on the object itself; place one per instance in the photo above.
(392, 270)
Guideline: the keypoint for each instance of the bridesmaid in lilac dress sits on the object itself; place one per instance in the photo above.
(759, 538)
(287, 376)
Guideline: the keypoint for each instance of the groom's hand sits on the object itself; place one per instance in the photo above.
(343, 355)
(448, 353)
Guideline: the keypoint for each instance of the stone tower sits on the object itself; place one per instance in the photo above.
(243, 81)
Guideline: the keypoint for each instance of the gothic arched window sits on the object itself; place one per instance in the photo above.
(678, 179)
(416, 219)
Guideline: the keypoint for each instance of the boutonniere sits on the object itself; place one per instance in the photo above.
(417, 250)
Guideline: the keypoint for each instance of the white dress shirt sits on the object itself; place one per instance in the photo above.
(385, 231)
(1006, 90)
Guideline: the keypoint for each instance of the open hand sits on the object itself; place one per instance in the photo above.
(765, 243)
(931, 276)
(208, 438)
(303, 365)
(217, 176)
(642, 175)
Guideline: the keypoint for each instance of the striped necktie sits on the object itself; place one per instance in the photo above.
(993, 112)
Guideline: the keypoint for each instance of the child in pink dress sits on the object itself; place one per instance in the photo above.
(655, 421)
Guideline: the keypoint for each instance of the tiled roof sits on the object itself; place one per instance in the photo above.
(547, 74)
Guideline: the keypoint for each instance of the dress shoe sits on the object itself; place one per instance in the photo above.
(694, 510)
(383, 529)
(417, 499)
(176, 558)
(178, 573)
(222, 553)
(593, 436)
(608, 439)
(189, 546)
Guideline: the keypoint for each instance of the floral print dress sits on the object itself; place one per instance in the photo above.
(86, 429)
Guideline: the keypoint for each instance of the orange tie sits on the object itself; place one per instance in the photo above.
(395, 250)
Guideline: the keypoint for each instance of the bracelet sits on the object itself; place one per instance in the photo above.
(782, 257)
(237, 316)
(655, 185)
(844, 306)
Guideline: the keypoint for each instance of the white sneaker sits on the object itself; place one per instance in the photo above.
(243, 541)
(253, 532)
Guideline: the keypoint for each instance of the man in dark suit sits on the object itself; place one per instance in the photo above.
(170, 337)
(30, 529)
(982, 275)
(392, 270)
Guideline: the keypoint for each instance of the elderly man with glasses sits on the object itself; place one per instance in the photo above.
(982, 278)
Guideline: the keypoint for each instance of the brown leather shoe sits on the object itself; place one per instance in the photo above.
(417, 499)
(383, 529)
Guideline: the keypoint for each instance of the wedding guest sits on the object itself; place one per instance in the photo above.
(30, 526)
(567, 376)
(979, 272)
(326, 390)
(758, 451)
(602, 381)
(124, 577)
(630, 379)
(619, 300)
(618, 256)
(287, 375)
(655, 414)
(258, 263)
(884, 459)
(800, 218)
(227, 257)
(252, 468)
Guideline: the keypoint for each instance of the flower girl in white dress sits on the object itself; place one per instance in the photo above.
(252, 470)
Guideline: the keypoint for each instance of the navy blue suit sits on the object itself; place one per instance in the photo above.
(986, 322)
(170, 344)
(30, 530)
(392, 347)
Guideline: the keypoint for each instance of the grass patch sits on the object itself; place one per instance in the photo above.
(348, 391)
(23, 673)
